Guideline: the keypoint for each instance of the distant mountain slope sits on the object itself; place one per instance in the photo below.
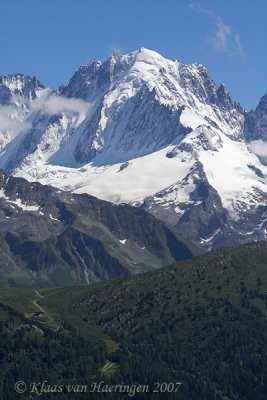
(201, 322)
(148, 131)
(49, 237)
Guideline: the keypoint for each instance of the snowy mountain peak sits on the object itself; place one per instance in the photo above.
(169, 78)
(144, 81)
(143, 129)
(139, 103)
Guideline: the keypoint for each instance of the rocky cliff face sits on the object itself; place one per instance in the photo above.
(256, 121)
(18, 87)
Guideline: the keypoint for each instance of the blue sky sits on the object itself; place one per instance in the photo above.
(51, 38)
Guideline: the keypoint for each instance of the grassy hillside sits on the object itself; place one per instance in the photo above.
(200, 322)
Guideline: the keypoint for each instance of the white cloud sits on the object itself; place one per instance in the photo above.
(53, 104)
(226, 40)
(10, 121)
(259, 147)
(14, 120)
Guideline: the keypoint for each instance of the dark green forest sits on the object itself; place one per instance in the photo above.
(199, 323)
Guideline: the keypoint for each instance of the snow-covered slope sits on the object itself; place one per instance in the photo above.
(141, 129)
